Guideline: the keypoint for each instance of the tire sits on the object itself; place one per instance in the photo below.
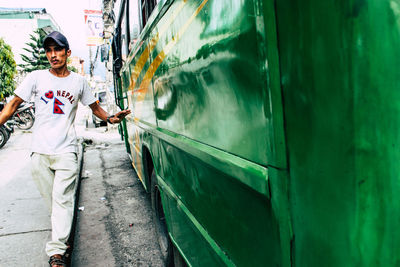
(26, 120)
(7, 133)
(178, 259)
(94, 122)
(3, 137)
(160, 225)
(170, 254)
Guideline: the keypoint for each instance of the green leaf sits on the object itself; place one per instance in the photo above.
(7, 70)
(35, 58)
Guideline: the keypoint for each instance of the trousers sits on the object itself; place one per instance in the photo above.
(56, 178)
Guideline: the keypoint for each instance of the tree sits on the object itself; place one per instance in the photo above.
(7, 70)
(36, 58)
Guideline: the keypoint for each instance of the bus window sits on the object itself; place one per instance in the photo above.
(116, 49)
(120, 40)
(133, 15)
(147, 7)
(124, 38)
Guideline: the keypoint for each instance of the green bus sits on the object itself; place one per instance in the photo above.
(266, 131)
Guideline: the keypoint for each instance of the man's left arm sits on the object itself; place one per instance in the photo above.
(103, 115)
(10, 108)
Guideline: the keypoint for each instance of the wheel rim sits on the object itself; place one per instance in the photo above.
(26, 121)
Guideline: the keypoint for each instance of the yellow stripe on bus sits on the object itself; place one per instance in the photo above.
(152, 44)
(136, 159)
(144, 86)
(138, 67)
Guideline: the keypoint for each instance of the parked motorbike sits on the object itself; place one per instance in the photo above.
(24, 116)
(5, 132)
(3, 136)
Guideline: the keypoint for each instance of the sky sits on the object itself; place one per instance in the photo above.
(68, 14)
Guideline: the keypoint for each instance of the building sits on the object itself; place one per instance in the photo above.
(16, 24)
(77, 63)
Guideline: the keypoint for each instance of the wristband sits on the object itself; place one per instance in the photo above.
(109, 117)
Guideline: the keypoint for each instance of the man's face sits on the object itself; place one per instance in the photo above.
(57, 55)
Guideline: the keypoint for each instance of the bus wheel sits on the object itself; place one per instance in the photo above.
(160, 225)
(178, 259)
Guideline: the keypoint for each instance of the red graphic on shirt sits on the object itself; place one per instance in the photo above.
(49, 94)
(57, 109)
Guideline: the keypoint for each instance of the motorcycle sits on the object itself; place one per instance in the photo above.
(5, 132)
(3, 136)
(23, 116)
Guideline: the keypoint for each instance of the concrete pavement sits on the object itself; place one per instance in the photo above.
(114, 225)
(24, 217)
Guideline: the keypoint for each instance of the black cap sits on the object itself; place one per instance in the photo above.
(57, 37)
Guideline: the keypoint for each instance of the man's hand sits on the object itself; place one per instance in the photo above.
(118, 117)
(103, 115)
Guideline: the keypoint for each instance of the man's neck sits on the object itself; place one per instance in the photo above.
(61, 72)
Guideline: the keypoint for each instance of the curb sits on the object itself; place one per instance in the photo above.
(81, 151)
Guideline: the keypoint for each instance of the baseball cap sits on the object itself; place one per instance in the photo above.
(57, 37)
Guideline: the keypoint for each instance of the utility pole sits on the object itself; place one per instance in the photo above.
(93, 61)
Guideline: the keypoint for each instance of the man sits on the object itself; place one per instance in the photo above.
(56, 94)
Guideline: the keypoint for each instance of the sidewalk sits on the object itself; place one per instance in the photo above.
(24, 217)
(114, 224)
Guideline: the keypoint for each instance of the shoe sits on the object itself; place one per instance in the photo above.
(57, 260)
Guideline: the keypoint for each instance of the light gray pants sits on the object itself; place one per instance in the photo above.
(55, 177)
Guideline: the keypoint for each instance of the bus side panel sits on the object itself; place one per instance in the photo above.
(137, 87)
(239, 219)
(210, 86)
(340, 63)
(186, 235)
(210, 89)
(150, 143)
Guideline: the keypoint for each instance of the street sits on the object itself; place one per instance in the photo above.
(114, 223)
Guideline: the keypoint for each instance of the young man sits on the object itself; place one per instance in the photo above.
(56, 94)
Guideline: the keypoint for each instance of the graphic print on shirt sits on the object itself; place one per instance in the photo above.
(48, 95)
(57, 109)
(57, 103)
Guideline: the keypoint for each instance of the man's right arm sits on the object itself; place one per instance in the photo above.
(9, 109)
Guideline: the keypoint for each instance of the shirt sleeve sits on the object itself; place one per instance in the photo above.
(27, 87)
(87, 95)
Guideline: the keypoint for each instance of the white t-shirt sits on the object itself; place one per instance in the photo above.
(56, 101)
